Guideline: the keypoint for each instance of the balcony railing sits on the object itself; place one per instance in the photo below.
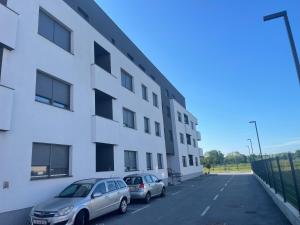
(6, 106)
(104, 81)
(8, 27)
(105, 130)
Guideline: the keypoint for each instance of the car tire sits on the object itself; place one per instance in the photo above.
(163, 192)
(147, 198)
(123, 206)
(81, 218)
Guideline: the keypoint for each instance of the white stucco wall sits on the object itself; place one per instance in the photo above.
(36, 122)
(175, 161)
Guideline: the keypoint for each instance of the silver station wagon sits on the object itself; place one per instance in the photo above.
(145, 186)
(82, 201)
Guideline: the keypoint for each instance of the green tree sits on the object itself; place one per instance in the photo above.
(214, 157)
(297, 154)
(235, 158)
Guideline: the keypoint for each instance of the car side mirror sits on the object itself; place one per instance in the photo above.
(96, 195)
(157, 181)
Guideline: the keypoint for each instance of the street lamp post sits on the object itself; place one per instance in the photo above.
(257, 138)
(290, 34)
(249, 139)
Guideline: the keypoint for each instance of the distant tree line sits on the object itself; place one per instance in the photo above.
(214, 158)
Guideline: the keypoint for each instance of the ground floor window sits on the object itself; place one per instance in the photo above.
(184, 161)
(191, 160)
(160, 162)
(196, 161)
(49, 160)
(130, 160)
(104, 157)
(149, 161)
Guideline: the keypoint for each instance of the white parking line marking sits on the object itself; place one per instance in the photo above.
(175, 193)
(215, 198)
(140, 209)
(222, 189)
(205, 211)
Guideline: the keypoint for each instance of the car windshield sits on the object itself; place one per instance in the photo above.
(76, 191)
(133, 180)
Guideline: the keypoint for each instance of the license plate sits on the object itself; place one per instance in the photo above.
(40, 222)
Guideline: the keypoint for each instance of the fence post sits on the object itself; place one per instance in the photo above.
(295, 180)
(267, 171)
(273, 176)
(281, 180)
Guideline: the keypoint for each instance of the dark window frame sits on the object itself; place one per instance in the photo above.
(134, 119)
(160, 161)
(135, 167)
(49, 168)
(124, 80)
(61, 25)
(51, 101)
(155, 100)
(184, 162)
(145, 95)
(157, 129)
(147, 126)
(149, 163)
(191, 160)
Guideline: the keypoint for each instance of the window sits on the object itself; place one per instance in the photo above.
(102, 57)
(101, 188)
(103, 105)
(111, 186)
(1, 56)
(184, 161)
(142, 68)
(121, 184)
(129, 118)
(83, 14)
(113, 41)
(186, 119)
(181, 138)
(130, 160)
(130, 57)
(167, 93)
(194, 143)
(191, 160)
(54, 31)
(168, 112)
(49, 160)
(148, 179)
(157, 129)
(160, 162)
(188, 139)
(170, 136)
(192, 125)
(127, 80)
(155, 99)
(147, 125)
(196, 161)
(144, 92)
(149, 161)
(179, 116)
(52, 91)
(104, 157)
(154, 178)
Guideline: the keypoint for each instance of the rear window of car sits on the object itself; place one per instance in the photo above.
(133, 180)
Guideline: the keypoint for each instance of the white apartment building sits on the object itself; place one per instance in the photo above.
(186, 158)
(72, 106)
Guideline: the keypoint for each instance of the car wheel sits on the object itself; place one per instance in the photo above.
(147, 197)
(123, 206)
(163, 192)
(81, 218)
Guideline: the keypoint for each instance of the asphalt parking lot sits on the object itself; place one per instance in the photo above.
(207, 200)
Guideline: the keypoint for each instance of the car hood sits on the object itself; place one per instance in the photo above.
(56, 204)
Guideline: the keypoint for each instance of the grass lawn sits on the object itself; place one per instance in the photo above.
(243, 167)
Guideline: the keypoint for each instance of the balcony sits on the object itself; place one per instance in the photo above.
(8, 25)
(6, 105)
(198, 136)
(200, 152)
(104, 81)
(105, 130)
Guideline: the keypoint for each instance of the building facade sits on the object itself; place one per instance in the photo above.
(77, 100)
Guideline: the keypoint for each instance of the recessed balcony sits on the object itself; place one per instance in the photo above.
(198, 136)
(6, 106)
(9, 26)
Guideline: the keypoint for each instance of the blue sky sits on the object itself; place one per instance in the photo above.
(230, 65)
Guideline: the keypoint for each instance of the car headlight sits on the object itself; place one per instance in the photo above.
(64, 211)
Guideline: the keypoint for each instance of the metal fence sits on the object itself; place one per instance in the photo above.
(283, 175)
